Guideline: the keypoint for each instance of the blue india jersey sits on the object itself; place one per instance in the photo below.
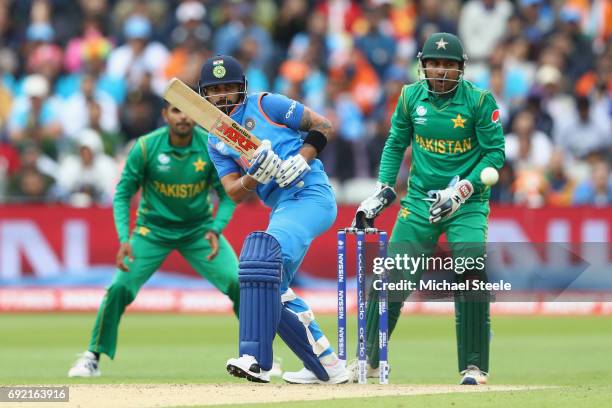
(275, 118)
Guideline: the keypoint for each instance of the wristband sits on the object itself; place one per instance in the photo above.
(316, 139)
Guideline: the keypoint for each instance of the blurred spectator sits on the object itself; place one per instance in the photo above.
(47, 60)
(347, 156)
(91, 37)
(526, 146)
(35, 116)
(538, 18)
(76, 111)
(598, 189)
(88, 177)
(33, 182)
(481, 25)
(587, 133)
(6, 101)
(139, 56)
(37, 33)
(559, 185)
(502, 192)
(192, 39)
(431, 20)
(141, 112)
(597, 82)
(559, 105)
(238, 26)
(579, 58)
(155, 10)
(341, 16)
(292, 19)
(543, 121)
(377, 46)
(9, 42)
(256, 77)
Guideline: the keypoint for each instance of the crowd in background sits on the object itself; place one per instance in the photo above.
(82, 79)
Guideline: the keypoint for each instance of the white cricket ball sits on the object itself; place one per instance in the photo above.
(489, 176)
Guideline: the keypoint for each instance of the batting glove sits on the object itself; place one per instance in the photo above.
(445, 203)
(372, 206)
(265, 163)
(292, 171)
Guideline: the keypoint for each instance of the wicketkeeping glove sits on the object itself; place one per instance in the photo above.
(445, 202)
(292, 171)
(265, 163)
(372, 206)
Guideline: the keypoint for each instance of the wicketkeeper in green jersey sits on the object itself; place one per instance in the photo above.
(174, 170)
(455, 132)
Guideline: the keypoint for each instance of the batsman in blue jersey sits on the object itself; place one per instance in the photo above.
(286, 174)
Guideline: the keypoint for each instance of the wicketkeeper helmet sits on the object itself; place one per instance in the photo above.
(442, 46)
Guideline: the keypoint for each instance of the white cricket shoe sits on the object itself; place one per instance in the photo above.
(85, 366)
(353, 369)
(338, 374)
(473, 376)
(247, 367)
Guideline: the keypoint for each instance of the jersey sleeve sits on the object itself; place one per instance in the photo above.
(400, 135)
(490, 136)
(282, 110)
(224, 164)
(226, 207)
(129, 183)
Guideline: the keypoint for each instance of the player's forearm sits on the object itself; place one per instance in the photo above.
(494, 158)
(224, 213)
(392, 157)
(121, 214)
(238, 187)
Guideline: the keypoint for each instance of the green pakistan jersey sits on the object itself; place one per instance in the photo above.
(456, 135)
(175, 185)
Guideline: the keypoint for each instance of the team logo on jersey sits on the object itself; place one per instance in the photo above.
(163, 158)
(249, 123)
(495, 116)
(459, 121)
(219, 71)
(164, 161)
(421, 111)
(199, 164)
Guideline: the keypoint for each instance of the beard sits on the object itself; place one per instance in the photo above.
(182, 130)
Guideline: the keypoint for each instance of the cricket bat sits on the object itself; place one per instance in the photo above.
(210, 118)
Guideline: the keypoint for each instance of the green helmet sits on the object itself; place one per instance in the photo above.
(443, 45)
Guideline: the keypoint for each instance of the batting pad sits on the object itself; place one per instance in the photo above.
(259, 274)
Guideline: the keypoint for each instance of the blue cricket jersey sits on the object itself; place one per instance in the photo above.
(275, 118)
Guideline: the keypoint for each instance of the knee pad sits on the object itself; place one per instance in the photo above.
(259, 274)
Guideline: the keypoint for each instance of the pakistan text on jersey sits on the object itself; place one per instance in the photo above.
(444, 146)
(180, 190)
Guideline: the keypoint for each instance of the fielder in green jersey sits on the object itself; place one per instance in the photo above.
(455, 132)
(172, 167)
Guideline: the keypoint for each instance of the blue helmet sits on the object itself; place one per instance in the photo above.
(221, 69)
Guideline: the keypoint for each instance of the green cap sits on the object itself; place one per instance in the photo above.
(443, 45)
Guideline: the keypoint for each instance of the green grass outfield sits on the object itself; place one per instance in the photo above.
(573, 353)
